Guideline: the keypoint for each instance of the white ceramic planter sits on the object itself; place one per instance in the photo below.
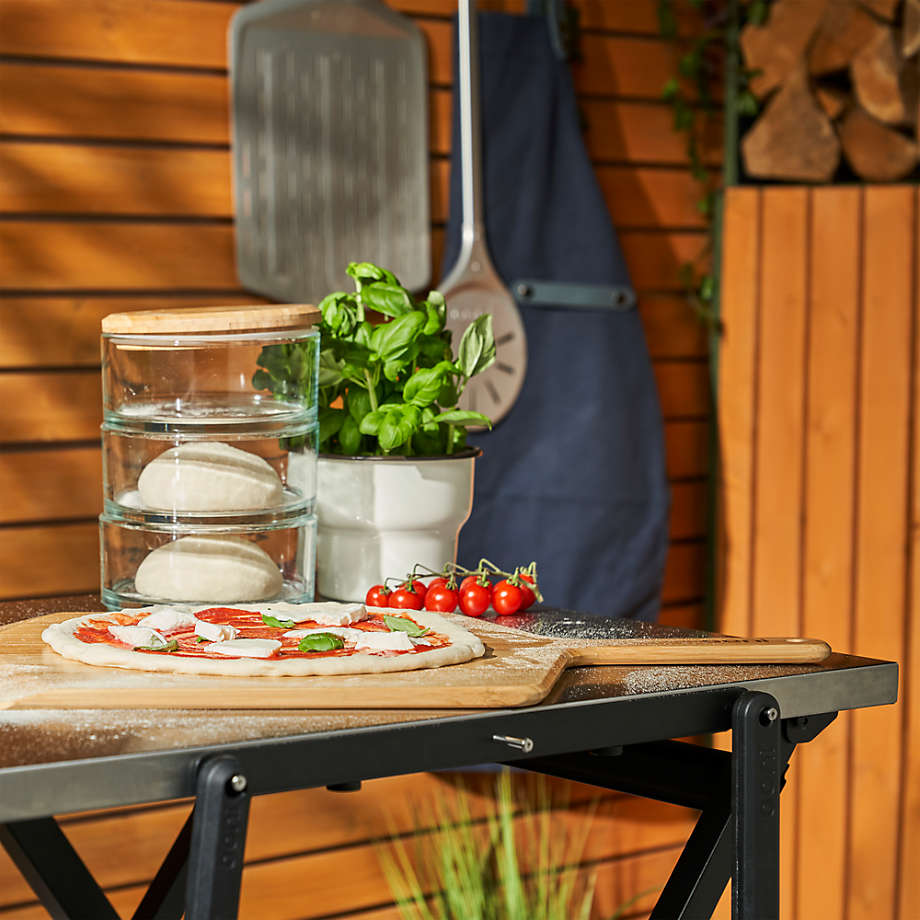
(378, 516)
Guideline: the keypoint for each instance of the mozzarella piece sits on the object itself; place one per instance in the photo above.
(215, 632)
(245, 648)
(206, 568)
(167, 619)
(385, 642)
(138, 636)
(329, 614)
(209, 476)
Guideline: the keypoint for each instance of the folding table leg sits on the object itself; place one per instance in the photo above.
(215, 868)
(165, 898)
(757, 773)
(49, 863)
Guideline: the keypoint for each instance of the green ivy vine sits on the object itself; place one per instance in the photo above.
(702, 66)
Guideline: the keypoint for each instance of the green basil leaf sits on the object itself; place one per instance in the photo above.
(397, 426)
(170, 646)
(423, 386)
(370, 424)
(359, 403)
(200, 639)
(330, 421)
(278, 624)
(391, 339)
(463, 417)
(330, 369)
(434, 322)
(388, 299)
(368, 273)
(477, 347)
(363, 334)
(350, 436)
(401, 624)
(321, 642)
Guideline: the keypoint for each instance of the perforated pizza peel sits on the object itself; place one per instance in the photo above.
(519, 669)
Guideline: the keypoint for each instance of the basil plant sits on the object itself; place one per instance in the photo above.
(391, 387)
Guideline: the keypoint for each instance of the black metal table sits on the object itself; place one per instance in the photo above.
(607, 726)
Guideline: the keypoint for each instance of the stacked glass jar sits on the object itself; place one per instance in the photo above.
(209, 442)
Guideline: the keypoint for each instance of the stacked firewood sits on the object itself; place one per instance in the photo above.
(836, 78)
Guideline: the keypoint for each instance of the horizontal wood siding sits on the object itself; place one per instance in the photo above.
(114, 195)
(818, 443)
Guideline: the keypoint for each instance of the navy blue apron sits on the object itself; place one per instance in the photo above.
(574, 476)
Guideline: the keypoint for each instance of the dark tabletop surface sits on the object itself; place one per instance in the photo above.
(35, 736)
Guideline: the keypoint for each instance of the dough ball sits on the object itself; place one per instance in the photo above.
(210, 569)
(208, 476)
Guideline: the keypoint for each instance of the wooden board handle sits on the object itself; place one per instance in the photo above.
(708, 650)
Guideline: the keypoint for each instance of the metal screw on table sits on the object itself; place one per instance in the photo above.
(237, 783)
(519, 744)
(769, 715)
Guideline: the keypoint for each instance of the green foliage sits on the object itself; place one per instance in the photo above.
(321, 642)
(389, 388)
(515, 864)
(691, 98)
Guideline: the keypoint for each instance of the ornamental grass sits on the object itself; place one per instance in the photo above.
(513, 863)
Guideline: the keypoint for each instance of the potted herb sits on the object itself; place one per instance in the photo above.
(395, 474)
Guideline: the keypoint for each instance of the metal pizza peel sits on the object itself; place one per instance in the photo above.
(330, 145)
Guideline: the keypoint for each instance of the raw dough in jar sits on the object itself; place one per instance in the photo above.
(208, 569)
(208, 476)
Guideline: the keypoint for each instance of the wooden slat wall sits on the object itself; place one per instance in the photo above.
(819, 445)
(115, 194)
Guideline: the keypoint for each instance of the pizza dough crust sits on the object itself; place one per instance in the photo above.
(214, 569)
(209, 476)
(464, 646)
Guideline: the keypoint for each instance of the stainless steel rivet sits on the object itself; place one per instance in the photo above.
(524, 290)
(519, 744)
(771, 714)
(238, 782)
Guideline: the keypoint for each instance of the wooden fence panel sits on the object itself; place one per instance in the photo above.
(816, 403)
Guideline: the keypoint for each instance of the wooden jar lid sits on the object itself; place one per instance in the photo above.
(191, 320)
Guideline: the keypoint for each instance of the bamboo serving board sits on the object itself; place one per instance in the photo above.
(519, 669)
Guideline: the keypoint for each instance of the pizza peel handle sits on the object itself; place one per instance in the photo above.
(709, 650)
(472, 286)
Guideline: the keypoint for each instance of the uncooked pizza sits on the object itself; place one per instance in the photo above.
(280, 640)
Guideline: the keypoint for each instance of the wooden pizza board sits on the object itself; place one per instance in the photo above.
(519, 669)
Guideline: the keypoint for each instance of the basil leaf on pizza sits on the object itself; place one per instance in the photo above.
(171, 646)
(321, 642)
(401, 624)
(278, 624)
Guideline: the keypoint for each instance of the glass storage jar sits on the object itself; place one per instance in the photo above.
(209, 455)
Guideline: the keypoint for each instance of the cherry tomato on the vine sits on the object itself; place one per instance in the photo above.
(438, 582)
(475, 599)
(527, 595)
(474, 580)
(418, 586)
(506, 597)
(405, 599)
(441, 598)
(377, 596)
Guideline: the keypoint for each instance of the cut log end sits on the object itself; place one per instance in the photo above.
(881, 84)
(794, 139)
(845, 29)
(876, 152)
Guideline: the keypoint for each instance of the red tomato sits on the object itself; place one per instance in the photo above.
(506, 597)
(441, 598)
(377, 596)
(406, 599)
(474, 580)
(527, 596)
(438, 582)
(475, 599)
(419, 587)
